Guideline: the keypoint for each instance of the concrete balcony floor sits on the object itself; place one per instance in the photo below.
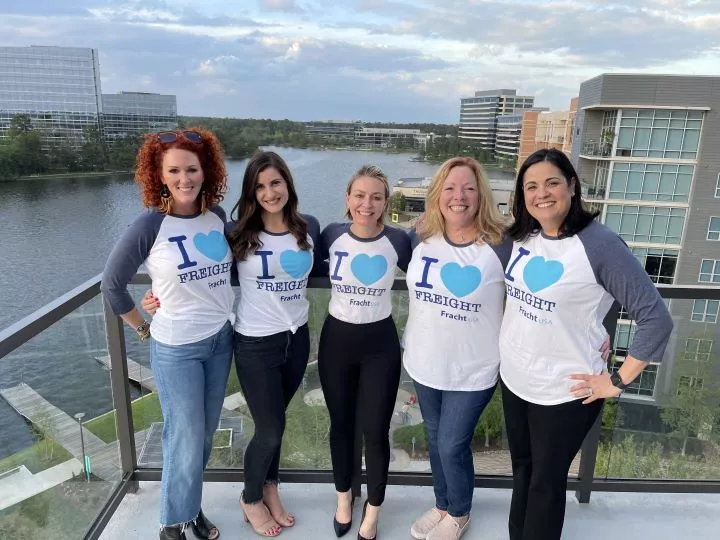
(609, 515)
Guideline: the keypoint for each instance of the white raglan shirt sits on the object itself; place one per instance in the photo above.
(362, 271)
(273, 284)
(189, 262)
(456, 294)
(558, 293)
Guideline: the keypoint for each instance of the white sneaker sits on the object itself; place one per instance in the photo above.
(425, 523)
(449, 528)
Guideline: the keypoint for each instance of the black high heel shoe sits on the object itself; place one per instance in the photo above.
(173, 533)
(342, 528)
(202, 527)
(360, 536)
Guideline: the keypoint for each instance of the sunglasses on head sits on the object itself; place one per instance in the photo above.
(172, 136)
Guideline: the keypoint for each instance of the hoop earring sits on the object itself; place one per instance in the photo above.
(165, 192)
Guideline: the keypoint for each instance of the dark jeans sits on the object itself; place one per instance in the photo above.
(270, 369)
(359, 366)
(543, 441)
(450, 418)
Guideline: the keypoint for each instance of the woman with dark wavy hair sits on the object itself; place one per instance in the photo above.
(273, 246)
(179, 238)
(565, 272)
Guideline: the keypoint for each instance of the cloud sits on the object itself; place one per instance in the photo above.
(393, 60)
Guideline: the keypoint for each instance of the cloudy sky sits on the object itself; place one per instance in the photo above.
(373, 60)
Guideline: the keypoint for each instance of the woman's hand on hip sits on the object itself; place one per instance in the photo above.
(593, 387)
(150, 302)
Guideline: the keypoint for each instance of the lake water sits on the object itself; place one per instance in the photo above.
(56, 234)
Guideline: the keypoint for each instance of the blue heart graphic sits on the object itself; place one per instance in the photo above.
(539, 274)
(212, 245)
(368, 269)
(460, 280)
(295, 263)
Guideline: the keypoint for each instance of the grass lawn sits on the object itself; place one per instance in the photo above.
(38, 457)
(146, 410)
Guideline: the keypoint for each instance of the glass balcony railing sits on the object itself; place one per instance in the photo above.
(73, 358)
(596, 149)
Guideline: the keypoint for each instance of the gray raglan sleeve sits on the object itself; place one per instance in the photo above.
(219, 211)
(126, 257)
(619, 273)
(401, 242)
(414, 239)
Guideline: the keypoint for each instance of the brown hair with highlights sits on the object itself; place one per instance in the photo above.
(148, 171)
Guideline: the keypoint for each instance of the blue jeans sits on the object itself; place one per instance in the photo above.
(190, 382)
(450, 419)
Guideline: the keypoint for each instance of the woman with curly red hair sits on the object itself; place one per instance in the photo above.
(180, 239)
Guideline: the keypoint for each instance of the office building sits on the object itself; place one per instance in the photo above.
(508, 134)
(542, 129)
(390, 138)
(128, 114)
(333, 130)
(479, 114)
(57, 87)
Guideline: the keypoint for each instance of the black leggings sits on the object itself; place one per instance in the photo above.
(270, 369)
(543, 441)
(359, 366)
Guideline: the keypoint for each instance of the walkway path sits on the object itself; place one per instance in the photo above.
(18, 487)
(136, 372)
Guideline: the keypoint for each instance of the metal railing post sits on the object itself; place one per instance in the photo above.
(588, 457)
(121, 393)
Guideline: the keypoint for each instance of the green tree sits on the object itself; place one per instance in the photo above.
(25, 147)
(94, 152)
(396, 203)
(491, 420)
(693, 410)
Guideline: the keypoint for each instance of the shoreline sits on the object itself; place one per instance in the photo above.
(61, 176)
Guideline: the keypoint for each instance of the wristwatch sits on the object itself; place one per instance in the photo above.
(617, 381)
(143, 330)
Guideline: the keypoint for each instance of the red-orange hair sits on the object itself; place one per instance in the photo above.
(148, 171)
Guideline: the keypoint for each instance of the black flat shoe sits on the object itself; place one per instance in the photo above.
(173, 533)
(203, 528)
(342, 528)
(360, 536)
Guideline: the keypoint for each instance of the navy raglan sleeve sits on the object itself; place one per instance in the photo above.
(620, 273)
(126, 257)
(414, 239)
(230, 227)
(320, 265)
(401, 242)
(503, 250)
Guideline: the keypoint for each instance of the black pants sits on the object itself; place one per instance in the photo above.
(543, 441)
(359, 366)
(270, 369)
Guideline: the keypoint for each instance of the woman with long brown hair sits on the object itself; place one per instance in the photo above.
(273, 247)
(180, 240)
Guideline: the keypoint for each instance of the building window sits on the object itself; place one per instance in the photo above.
(698, 350)
(624, 335)
(651, 181)
(714, 229)
(659, 133)
(689, 383)
(644, 384)
(660, 264)
(709, 271)
(717, 187)
(705, 311)
(662, 225)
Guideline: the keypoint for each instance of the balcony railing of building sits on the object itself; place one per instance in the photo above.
(596, 148)
(96, 462)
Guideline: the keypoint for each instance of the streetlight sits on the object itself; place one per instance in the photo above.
(79, 416)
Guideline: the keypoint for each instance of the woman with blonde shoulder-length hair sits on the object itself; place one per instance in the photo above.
(456, 287)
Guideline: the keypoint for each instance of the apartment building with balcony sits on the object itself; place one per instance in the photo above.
(479, 114)
(647, 151)
(543, 129)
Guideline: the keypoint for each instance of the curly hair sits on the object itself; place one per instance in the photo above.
(148, 171)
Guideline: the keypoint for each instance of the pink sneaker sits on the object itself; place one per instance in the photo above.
(425, 523)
